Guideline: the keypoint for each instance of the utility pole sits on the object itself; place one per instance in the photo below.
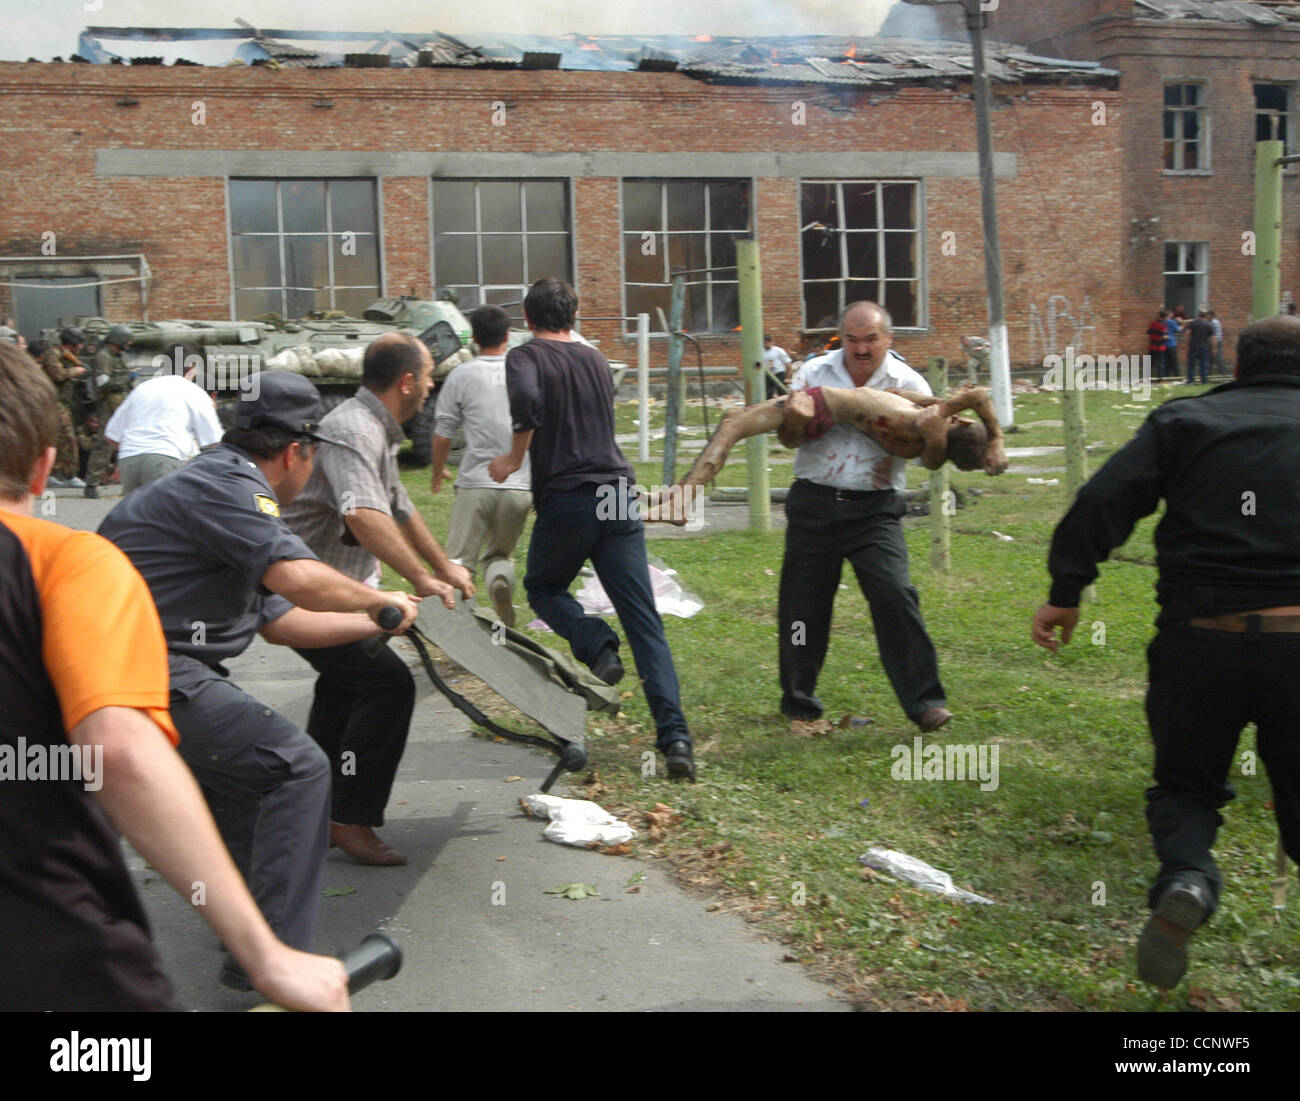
(750, 292)
(999, 348)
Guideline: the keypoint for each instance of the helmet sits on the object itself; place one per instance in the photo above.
(72, 335)
(119, 335)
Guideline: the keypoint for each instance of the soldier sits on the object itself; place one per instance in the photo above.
(110, 382)
(63, 368)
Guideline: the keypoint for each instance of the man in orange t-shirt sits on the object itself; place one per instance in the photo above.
(86, 745)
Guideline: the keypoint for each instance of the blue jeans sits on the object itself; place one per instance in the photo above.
(1198, 354)
(597, 524)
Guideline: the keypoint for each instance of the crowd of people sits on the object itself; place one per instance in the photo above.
(280, 527)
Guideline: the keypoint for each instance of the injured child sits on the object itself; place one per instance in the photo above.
(902, 422)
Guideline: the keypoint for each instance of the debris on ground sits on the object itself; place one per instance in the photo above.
(577, 821)
(919, 874)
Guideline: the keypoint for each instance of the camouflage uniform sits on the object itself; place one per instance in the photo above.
(109, 361)
(57, 363)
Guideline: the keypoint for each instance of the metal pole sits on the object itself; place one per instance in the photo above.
(999, 349)
(1268, 229)
(643, 387)
(750, 293)
(940, 500)
(676, 307)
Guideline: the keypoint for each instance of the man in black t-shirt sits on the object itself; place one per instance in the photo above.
(562, 409)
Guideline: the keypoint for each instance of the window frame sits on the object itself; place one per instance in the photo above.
(663, 233)
(1290, 145)
(1204, 165)
(922, 323)
(1200, 271)
(523, 233)
(280, 234)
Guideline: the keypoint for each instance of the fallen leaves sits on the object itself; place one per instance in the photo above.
(512, 779)
(575, 891)
(810, 728)
(660, 820)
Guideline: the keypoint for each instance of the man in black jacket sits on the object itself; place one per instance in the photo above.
(1227, 651)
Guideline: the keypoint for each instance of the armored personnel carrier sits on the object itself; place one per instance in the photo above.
(326, 348)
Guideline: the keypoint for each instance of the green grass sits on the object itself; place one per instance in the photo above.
(777, 820)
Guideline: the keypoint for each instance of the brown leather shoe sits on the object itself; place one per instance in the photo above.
(363, 845)
(932, 719)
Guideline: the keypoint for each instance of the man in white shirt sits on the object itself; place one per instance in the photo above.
(164, 422)
(474, 397)
(776, 359)
(846, 503)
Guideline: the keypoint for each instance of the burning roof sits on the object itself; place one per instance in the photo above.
(805, 59)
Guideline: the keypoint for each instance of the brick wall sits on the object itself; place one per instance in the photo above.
(1061, 224)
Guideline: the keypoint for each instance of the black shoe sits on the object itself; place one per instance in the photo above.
(92, 493)
(1162, 947)
(681, 761)
(606, 666)
(234, 976)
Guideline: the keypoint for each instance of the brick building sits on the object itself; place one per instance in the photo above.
(311, 179)
(1202, 82)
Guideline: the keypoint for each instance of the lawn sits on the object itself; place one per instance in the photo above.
(776, 824)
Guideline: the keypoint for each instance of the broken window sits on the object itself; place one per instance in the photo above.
(492, 239)
(860, 240)
(1273, 107)
(303, 245)
(687, 226)
(1186, 138)
(1187, 275)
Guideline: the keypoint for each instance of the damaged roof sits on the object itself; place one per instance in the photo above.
(1264, 13)
(804, 59)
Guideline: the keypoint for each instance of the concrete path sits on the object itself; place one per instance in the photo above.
(470, 909)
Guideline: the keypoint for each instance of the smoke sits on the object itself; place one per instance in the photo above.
(51, 28)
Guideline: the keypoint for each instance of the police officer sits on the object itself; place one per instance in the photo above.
(1227, 648)
(109, 382)
(222, 565)
(64, 370)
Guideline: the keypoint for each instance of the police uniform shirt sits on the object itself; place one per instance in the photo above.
(202, 537)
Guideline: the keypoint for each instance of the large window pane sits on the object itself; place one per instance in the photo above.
(645, 299)
(821, 254)
(352, 206)
(860, 206)
(900, 255)
(252, 206)
(547, 205)
(252, 304)
(685, 205)
(726, 307)
(695, 316)
(723, 258)
(898, 204)
(729, 205)
(900, 301)
(499, 206)
(302, 302)
(686, 253)
(548, 254)
(503, 259)
(306, 261)
(356, 260)
(456, 259)
(303, 205)
(640, 266)
(257, 261)
(453, 206)
(821, 305)
(642, 205)
(863, 254)
(354, 301)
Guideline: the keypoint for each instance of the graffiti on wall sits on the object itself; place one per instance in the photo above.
(1059, 326)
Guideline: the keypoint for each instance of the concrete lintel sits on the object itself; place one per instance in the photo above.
(284, 164)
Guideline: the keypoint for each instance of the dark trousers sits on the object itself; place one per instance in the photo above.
(1157, 363)
(604, 526)
(1205, 686)
(360, 716)
(267, 785)
(1198, 356)
(822, 533)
